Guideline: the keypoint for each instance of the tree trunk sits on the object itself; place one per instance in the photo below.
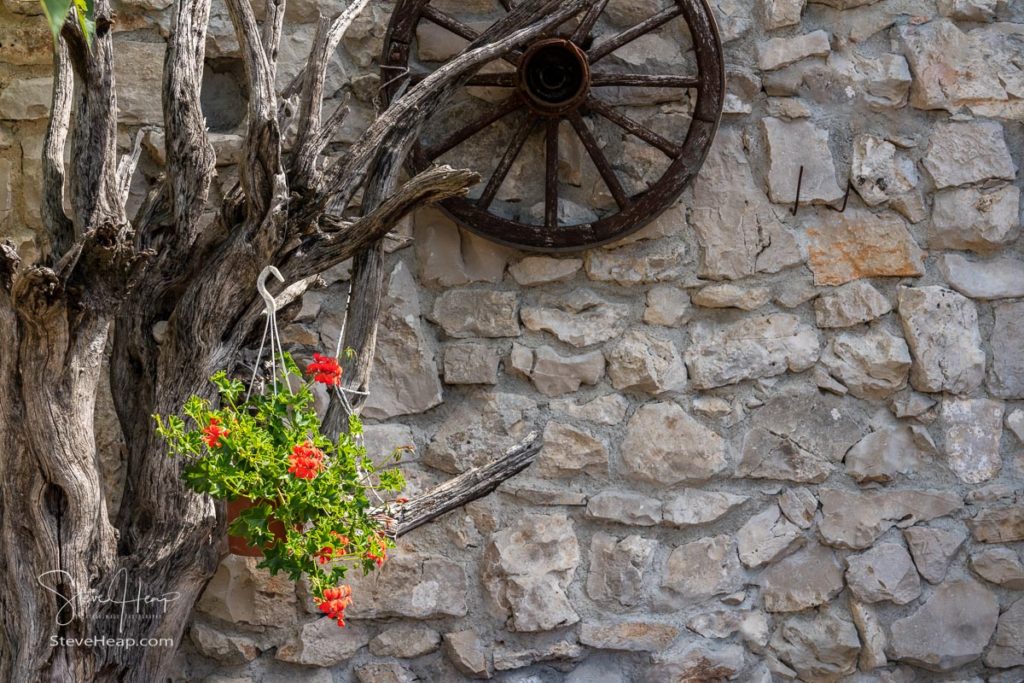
(75, 587)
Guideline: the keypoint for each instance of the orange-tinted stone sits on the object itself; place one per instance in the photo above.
(859, 244)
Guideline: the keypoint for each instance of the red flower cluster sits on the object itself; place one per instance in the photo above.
(325, 370)
(378, 551)
(325, 554)
(306, 461)
(378, 559)
(335, 601)
(213, 432)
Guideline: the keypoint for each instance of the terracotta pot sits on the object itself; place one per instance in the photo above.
(237, 544)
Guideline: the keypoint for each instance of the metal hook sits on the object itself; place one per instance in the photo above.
(799, 187)
(269, 328)
(846, 197)
(261, 287)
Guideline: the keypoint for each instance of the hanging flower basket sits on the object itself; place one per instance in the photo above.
(306, 504)
(238, 545)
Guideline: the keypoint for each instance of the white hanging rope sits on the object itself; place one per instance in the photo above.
(271, 330)
(259, 356)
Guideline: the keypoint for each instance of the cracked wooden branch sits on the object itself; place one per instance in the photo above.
(311, 138)
(95, 199)
(260, 173)
(56, 221)
(313, 133)
(273, 25)
(339, 24)
(468, 486)
(126, 167)
(330, 248)
(190, 155)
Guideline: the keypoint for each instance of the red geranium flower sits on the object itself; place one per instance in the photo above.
(213, 432)
(327, 553)
(325, 370)
(377, 559)
(306, 461)
(335, 601)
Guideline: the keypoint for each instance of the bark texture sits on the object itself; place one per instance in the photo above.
(109, 279)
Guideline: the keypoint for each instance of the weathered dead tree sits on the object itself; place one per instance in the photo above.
(109, 275)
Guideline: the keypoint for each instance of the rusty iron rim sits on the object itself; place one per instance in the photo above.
(633, 211)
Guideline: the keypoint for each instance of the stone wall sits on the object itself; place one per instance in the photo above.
(776, 446)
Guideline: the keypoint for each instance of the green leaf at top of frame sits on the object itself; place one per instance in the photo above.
(56, 12)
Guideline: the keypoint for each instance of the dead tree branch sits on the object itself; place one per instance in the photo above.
(56, 221)
(468, 486)
(190, 156)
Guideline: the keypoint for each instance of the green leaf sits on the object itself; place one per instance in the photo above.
(85, 9)
(56, 12)
(391, 480)
(291, 367)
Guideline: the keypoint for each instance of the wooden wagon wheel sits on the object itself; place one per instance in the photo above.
(564, 77)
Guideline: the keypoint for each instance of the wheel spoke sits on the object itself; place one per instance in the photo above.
(472, 128)
(633, 127)
(606, 47)
(507, 159)
(604, 167)
(586, 24)
(449, 22)
(461, 29)
(551, 175)
(643, 81)
(495, 80)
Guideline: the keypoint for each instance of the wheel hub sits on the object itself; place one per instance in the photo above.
(554, 75)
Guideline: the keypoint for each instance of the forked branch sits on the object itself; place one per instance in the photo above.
(93, 174)
(260, 172)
